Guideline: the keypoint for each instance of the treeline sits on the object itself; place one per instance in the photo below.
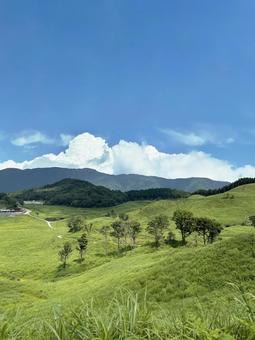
(154, 194)
(83, 194)
(238, 183)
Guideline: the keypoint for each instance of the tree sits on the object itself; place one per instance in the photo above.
(208, 228)
(134, 230)
(105, 232)
(82, 245)
(75, 224)
(118, 231)
(184, 221)
(214, 229)
(202, 225)
(156, 228)
(252, 220)
(65, 252)
(88, 227)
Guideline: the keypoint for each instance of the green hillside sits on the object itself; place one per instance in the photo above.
(182, 283)
(77, 193)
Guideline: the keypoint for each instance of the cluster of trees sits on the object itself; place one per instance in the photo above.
(65, 252)
(155, 194)
(125, 231)
(187, 223)
(238, 183)
(8, 201)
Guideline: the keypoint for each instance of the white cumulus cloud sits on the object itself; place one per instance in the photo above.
(89, 151)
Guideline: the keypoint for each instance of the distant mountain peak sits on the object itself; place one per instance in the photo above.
(12, 180)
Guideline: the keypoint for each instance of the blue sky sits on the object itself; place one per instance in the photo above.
(178, 75)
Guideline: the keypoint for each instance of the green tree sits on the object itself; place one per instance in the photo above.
(118, 231)
(65, 252)
(252, 220)
(134, 230)
(156, 228)
(76, 224)
(214, 230)
(208, 228)
(105, 232)
(184, 221)
(82, 245)
(202, 225)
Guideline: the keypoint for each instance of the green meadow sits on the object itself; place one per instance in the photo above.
(193, 291)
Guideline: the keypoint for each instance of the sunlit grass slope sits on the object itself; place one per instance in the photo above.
(174, 278)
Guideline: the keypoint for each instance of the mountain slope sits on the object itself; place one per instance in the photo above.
(12, 180)
(77, 193)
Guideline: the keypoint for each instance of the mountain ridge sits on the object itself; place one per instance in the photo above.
(13, 180)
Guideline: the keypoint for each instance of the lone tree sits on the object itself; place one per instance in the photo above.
(82, 245)
(105, 232)
(156, 228)
(118, 231)
(184, 221)
(65, 252)
(76, 224)
(134, 230)
(252, 220)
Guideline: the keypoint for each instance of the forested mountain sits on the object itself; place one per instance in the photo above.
(12, 180)
(77, 193)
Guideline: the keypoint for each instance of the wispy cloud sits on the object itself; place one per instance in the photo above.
(199, 138)
(32, 138)
(189, 138)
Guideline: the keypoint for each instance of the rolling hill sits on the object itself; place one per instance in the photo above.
(187, 288)
(12, 180)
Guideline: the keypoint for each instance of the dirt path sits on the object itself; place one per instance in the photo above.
(28, 212)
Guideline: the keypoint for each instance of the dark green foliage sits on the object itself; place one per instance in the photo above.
(82, 245)
(65, 252)
(208, 228)
(252, 220)
(118, 231)
(155, 194)
(184, 221)
(156, 227)
(76, 224)
(238, 183)
(134, 228)
(76, 193)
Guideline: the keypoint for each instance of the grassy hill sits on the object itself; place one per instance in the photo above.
(184, 285)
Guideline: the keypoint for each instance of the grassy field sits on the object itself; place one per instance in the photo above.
(174, 279)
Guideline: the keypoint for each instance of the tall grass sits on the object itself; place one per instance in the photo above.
(129, 317)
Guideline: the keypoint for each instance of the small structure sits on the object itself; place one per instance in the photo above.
(11, 212)
(34, 202)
